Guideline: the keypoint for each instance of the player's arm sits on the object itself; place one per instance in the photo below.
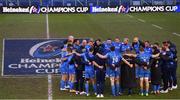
(126, 62)
(97, 65)
(155, 56)
(78, 54)
(131, 55)
(63, 58)
(101, 56)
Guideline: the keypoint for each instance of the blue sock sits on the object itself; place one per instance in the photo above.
(129, 91)
(158, 87)
(141, 91)
(71, 85)
(154, 87)
(94, 86)
(146, 91)
(87, 87)
(113, 90)
(117, 89)
(62, 84)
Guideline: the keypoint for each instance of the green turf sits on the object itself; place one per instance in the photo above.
(84, 25)
(22, 26)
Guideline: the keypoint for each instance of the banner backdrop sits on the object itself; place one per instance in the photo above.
(31, 56)
(91, 9)
(38, 10)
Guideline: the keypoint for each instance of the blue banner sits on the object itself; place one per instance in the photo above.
(32, 56)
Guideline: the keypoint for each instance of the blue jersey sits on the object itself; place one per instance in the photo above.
(77, 47)
(168, 58)
(107, 47)
(125, 47)
(64, 55)
(113, 58)
(117, 46)
(87, 47)
(64, 64)
(144, 57)
(87, 58)
(89, 68)
(136, 47)
(148, 50)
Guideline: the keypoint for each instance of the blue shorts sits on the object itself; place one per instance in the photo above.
(137, 71)
(108, 71)
(89, 72)
(115, 73)
(71, 69)
(144, 73)
(64, 68)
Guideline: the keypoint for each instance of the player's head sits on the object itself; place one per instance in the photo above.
(71, 38)
(91, 42)
(69, 50)
(147, 44)
(91, 50)
(70, 46)
(108, 41)
(156, 45)
(77, 42)
(98, 42)
(165, 44)
(169, 43)
(136, 39)
(117, 39)
(126, 40)
(112, 48)
(84, 42)
(141, 49)
(128, 51)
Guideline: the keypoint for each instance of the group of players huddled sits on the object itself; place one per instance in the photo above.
(127, 65)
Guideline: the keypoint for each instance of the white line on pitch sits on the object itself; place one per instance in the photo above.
(2, 73)
(49, 75)
(49, 87)
(159, 27)
(129, 15)
(176, 34)
(47, 27)
(141, 20)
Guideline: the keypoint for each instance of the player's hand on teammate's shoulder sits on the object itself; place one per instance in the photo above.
(101, 67)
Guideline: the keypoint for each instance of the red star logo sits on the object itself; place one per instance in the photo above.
(49, 48)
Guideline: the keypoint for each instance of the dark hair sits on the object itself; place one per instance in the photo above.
(69, 45)
(147, 41)
(69, 49)
(154, 48)
(141, 49)
(109, 39)
(76, 40)
(164, 42)
(112, 48)
(98, 40)
(91, 49)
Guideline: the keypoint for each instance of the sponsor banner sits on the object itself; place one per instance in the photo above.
(38, 10)
(91, 9)
(118, 9)
(135, 9)
(140, 9)
(32, 56)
